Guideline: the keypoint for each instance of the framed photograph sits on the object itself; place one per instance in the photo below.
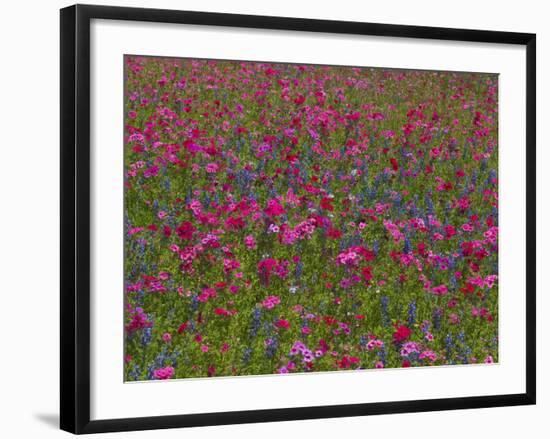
(268, 219)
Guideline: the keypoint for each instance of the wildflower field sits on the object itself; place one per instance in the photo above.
(284, 218)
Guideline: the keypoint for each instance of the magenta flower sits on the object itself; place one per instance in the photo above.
(270, 302)
(164, 373)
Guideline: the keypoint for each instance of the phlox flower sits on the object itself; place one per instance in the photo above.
(430, 355)
(409, 348)
(270, 302)
(374, 344)
(250, 242)
(164, 373)
(212, 168)
(440, 290)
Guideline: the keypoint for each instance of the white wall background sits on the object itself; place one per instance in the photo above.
(29, 243)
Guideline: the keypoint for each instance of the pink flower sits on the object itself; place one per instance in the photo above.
(490, 280)
(166, 337)
(430, 355)
(454, 319)
(206, 294)
(467, 227)
(250, 242)
(374, 343)
(164, 373)
(282, 323)
(274, 208)
(212, 168)
(134, 230)
(440, 290)
(204, 348)
(152, 171)
(271, 301)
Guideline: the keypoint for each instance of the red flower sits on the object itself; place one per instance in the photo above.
(367, 274)
(401, 333)
(326, 204)
(183, 327)
(265, 267)
(185, 230)
(300, 99)
(450, 231)
(347, 361)
(235, 223)
(274, 208)
(282, 323)
(394, 164)
(211, 370)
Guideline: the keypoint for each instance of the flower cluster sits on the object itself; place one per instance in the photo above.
(284, 218)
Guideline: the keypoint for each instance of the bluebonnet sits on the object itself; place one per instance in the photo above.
(492, 176)
(412, 313)
(376, 247)
(466, 351)
(256, 322)
(449, 346)
(246, 355)
(135, 373)
(146, 336)
(271, 348)
(299, 270)
(429, 204)
(407, 248)
(436, 317)
(397, 202)
(382, 354)
(194, 303)
(384, 302)
(483, 165)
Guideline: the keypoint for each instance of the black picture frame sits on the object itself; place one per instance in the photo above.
(75, 217)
